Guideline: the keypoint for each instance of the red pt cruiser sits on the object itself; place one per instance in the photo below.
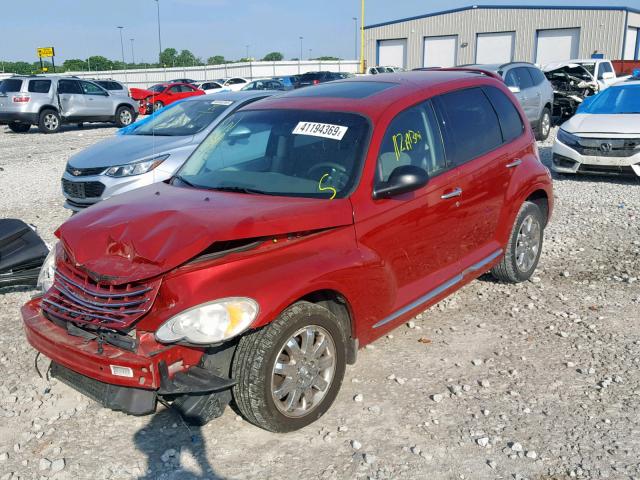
(305, 226)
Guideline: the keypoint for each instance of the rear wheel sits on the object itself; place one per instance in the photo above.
(544, 125)
(18, 127)
(157, 106)
(124, 116)
(49, 121)
(288, 373)
(525, 245)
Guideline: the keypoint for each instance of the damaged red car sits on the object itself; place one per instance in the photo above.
(161, 95)
(304, 227)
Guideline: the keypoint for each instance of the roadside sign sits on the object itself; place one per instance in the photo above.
(46, 52)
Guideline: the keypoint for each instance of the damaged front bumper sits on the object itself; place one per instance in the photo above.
(129, 381)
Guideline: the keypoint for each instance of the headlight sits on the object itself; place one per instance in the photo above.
(210, 322)
(48, 270)
(567, 138)
(137, 168)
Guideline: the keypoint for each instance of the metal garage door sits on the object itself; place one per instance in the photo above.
(557, 45)
(631, 43)
(495, 47)
(440, 51)
(392, 52)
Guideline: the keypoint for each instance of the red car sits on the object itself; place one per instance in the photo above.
(162, 95)
(304, 227)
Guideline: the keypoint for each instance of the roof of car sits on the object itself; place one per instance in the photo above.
(344, 95)
(231, 96)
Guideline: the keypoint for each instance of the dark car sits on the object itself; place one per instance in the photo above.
(266, 84)
(314, 78)
(190, 81)
(305, 226)
(289, 81)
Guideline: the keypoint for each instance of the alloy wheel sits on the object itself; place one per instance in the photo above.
(303, 371)
(50, 121)
(528, 243)
(125, 117)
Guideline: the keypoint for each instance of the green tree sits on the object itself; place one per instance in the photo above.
(98, 62)
(273, 57)
(169, 57)
(216, 60)
(187, 59)
(74, 65)
(246, 59)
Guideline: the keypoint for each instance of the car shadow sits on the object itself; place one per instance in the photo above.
(63, 128)
(174, 449)
(546, 154)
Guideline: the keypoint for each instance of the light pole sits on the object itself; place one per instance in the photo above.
(121, 43)
(301, 38)
(362, 37)
(133, 55)
(355, 21)
(247, 47)
(159, 36)
(310, 53)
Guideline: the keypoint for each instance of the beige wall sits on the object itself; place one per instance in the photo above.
(600, 30)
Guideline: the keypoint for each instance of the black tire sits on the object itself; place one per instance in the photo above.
(509, 270)
(49, 121)
(255, 358)
(157, 106)
(544, 125)
(81, 125)
(124, 117)
(18, 127)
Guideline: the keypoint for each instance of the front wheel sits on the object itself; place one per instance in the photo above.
(18, 127)
(124, 117)
(525, 245)
(544, 125)
(289, 373)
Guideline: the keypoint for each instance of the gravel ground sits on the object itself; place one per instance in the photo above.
(538, 380)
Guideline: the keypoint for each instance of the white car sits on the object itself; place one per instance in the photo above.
(600, 69)
(604, 135)
(213, 87)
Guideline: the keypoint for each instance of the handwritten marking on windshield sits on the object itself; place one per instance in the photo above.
(403, 142)
(327, 188)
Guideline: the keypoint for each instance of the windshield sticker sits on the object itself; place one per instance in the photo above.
(226, 103)
(325, 130)
(327, 188)
(403, 142)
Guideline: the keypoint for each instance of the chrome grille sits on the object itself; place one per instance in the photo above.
(75, 297)
(608, 147)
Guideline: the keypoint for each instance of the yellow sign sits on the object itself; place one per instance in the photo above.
(46, 52)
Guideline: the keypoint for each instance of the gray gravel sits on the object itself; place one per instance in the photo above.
(538, 380)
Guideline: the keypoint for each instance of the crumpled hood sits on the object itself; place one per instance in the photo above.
(122, 149)
(152, 230)
(602, 123)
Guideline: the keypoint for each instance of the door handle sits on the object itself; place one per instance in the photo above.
(90, 99)
(452, 194)
(513, 164)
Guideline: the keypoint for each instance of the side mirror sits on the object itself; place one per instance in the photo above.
(403, 179)
(608, 76)
(514, 89)
(238, 133)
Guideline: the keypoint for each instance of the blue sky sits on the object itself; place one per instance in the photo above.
(79, 28)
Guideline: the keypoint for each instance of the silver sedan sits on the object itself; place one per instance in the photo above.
(148, 151)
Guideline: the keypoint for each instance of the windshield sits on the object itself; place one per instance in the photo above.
(299, 153)
(591, 67)
(184, 118)
(157, 88)
(615, 100)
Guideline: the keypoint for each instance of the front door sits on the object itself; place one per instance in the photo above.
(412, 235)
(98, 101)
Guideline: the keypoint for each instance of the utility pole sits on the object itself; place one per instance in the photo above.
(247, 47)
(121, 44)
(301, 38)
(362, 38)
(159, 36)
(133, 55)
(355, 21)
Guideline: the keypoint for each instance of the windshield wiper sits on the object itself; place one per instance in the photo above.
(240, 190)
(186, 182)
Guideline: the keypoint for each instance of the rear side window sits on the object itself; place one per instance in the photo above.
(412, 138)
(69, 86)
(39, 86)
(519, 77)
(536, 75)
(91, 88)
(604, 67)
(10, 85)
(511, 124)
(471, 124)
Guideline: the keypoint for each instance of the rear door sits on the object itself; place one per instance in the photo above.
(71, 98)
(475, 143)
(520, 77)
(97, 100)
